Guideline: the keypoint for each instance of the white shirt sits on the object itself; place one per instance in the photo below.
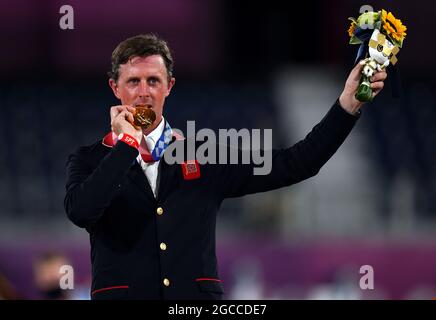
(151, 168)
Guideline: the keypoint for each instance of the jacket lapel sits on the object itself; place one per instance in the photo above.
(167, 176)
(167, 179)
(140, 180)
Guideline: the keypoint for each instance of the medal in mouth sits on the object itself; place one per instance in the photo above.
(143, 117)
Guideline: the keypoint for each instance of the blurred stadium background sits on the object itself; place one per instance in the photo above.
(238, 65)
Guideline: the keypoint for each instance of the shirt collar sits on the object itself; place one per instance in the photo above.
(154, 136)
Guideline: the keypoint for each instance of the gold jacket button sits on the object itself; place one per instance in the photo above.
(159, 211)
(166, 282)
(163, 246)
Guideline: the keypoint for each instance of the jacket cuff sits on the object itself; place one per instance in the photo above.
(340, 109)
(125, 152)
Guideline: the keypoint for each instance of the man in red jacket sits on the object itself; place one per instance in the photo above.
(151, 223)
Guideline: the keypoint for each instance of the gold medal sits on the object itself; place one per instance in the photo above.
(143, 117)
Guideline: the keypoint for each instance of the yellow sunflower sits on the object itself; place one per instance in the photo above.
(352, 29)
(393, 27)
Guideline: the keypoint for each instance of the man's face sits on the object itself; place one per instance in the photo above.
(143, 80)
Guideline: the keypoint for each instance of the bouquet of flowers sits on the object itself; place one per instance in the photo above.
(380, 36)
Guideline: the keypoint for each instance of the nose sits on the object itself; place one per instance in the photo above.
(143, 89)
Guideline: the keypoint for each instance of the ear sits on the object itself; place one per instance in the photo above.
(114, 88)
(170, 86)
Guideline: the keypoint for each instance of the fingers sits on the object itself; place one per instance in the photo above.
(121, 113)
(130, 108)
(127, 115)
(377, 86)
(116, 110)
(377, 80)
(379, 76)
